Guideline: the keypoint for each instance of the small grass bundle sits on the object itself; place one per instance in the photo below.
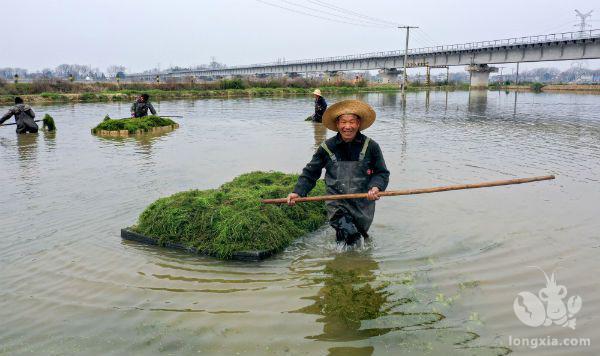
(48, 122)
(132, 125)
(220, 222)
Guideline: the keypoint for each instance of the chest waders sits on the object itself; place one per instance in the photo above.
(351, 218)
(25, 123)
(141, 109)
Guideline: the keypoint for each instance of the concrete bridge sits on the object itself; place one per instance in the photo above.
(476, 56)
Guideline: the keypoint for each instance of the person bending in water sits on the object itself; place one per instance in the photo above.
(353, 164)
(23, 116)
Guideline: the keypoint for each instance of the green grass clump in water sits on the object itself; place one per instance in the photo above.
(48, 122)
(222, 221)
(133, 124)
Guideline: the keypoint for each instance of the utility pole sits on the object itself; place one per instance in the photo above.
(404, 77)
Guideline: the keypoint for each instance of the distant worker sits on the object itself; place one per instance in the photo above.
(320, 106)
(23, 116)
(140, 107)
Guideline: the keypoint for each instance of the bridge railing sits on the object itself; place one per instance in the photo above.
(563, 36)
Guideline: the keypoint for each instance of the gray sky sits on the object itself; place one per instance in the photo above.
(142, 34)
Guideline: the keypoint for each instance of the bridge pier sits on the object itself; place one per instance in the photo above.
(389, 75)
(480, 74)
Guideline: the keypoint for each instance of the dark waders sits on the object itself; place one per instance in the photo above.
(350, 218)
(25, 123)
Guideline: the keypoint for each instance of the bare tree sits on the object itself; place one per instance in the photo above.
(112, 70)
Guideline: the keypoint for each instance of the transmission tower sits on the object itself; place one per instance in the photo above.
(583, 25)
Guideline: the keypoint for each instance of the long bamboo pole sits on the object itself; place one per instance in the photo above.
(14, 123)
(413, 191)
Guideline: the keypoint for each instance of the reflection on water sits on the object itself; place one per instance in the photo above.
(355, 306)
(439, 276)
(348, 297)
(478, 101)
(320, 132)
(144, 142)
(27, 145)
(49, 139)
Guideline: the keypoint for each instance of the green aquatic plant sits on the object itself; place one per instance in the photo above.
(133, 124)
(48, 122)
(230, 219)
(537, 87)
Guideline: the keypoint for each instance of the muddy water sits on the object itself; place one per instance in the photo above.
(439, 276)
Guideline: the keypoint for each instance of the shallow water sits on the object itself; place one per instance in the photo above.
(438, 277)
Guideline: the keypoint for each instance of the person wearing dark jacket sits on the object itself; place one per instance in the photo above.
(320, 106)
(141, 106)
(353, 164)
(23, 117)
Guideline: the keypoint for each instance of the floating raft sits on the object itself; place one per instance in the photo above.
(256, 255)
(230, 222)
(134, 126)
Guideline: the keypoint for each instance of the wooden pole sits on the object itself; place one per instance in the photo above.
(14, 123)
(412, 191)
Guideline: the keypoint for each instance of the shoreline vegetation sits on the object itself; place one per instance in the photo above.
(58, 91)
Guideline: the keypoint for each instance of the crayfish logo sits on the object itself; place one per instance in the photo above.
(548, 307)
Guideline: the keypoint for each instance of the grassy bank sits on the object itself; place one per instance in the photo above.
(158, 94)
(222, 221)
(540, 87)
(56, 91)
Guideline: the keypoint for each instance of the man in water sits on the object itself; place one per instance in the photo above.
(140, 107)
(353, 164)
(23, 117)
(320, 106)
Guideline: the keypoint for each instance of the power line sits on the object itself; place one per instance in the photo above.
(366, 22)
(422, 38)
(316, 16)
(350, 12)
(569, 24)
(428, 37)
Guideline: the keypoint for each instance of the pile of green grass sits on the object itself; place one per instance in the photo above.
(133, 124)
(48, 122)
(222, 221)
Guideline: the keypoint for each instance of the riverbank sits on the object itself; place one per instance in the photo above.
(157, 94)
(539, 87)
(170, 93)
(108, 92)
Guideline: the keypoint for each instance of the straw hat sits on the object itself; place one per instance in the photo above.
(317, 92)
(356, 107)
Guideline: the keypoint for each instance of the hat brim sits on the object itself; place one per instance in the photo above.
(361, 109)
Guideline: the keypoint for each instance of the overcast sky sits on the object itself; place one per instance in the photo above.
(144, 34)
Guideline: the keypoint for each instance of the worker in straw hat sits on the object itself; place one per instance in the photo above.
(320, 106)
(353, 164)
